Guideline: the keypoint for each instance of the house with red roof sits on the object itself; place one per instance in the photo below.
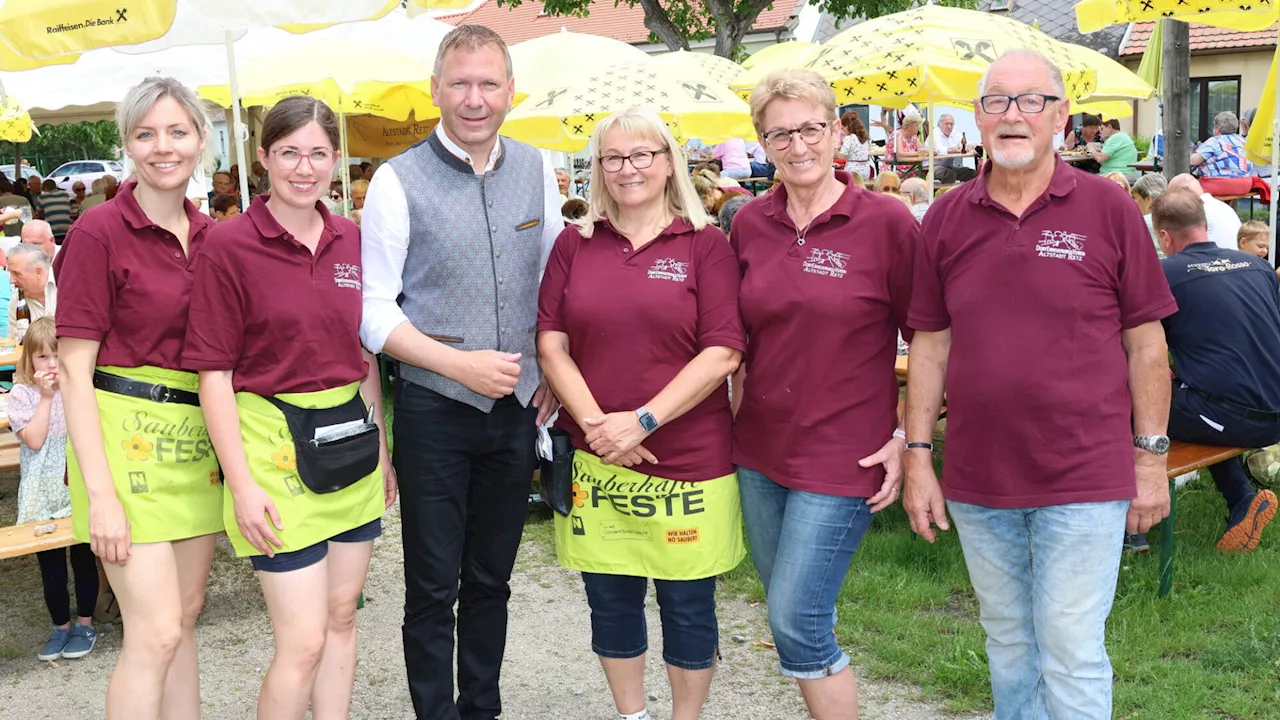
(620, 22)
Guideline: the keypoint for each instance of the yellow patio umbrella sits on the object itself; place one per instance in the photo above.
(721, 71)
(559, 59)
(562, 118)
(15, 121)
(1263, 141)
(778, 52)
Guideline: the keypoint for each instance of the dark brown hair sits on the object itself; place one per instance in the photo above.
(223, 202)
(1177, 211)
(852, 123)
(294, 112)
(1112, 123)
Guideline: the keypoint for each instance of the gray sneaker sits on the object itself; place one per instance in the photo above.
(53, 647)
(80, 643)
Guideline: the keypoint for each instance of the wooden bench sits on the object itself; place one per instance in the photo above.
(21, 540)
(1184, 458)
(9, 458)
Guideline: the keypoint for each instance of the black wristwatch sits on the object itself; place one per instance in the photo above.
(647, 420)
(1154, 444)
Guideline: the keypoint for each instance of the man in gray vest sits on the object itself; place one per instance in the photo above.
(456, 231)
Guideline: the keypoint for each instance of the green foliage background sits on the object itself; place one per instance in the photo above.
(57, 144)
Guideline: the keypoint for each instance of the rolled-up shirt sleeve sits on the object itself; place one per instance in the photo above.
(384, 231)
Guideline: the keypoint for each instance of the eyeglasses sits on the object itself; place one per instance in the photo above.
(811, 133)
(1028, 103)
(291, 158)
(639, 160)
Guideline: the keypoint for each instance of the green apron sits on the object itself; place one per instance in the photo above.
(161, 460)
(308, 518)
(626, 523)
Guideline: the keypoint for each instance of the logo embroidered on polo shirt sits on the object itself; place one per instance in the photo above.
(669, 269)
(346, 275)
(827, 262)
(1062, 245)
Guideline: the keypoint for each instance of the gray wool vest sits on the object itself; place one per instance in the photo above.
(474, 260)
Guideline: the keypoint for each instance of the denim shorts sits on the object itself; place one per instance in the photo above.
(690, 635)
(308, 556)
(802, 544)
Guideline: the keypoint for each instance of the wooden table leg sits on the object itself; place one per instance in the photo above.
(1166, 544)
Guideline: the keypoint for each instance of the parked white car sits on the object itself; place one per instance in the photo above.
(85, 171)
(27, 171)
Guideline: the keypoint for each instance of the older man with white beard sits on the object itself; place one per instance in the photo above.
(1038, 299)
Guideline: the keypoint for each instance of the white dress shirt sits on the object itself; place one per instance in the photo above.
(942, 145)
(37, 309)
(384, 240)
(1224, 223)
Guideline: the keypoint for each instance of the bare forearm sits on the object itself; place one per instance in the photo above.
(406, 343)
(218, 404)
(695, 381)
(566, 381)
(1150, 388)
(37, 429)
(926, 379)
(76, 359)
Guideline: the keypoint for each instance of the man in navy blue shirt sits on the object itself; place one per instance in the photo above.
(1225, 341)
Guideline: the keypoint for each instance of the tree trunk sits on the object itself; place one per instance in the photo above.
(732, 26)
(1176, 66)
(659, 23)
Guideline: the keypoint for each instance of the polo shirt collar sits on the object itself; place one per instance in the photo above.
(1062, 183)
(776, 201)
(678, 226)
(133, 214)
(268, 227)
(457, 151)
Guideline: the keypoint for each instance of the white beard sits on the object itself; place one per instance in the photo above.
(1013, 160)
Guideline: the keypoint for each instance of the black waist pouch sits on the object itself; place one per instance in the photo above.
(557, 473)
(337, 461)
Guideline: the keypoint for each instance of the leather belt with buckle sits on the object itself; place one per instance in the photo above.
(145, 391)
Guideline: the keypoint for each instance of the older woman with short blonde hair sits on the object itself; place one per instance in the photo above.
(826, 278)
(638, 328)
(904, 144)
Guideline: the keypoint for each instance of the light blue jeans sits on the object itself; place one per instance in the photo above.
(1045, 579)
(802, 544)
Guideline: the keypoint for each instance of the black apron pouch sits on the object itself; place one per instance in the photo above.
(330, 464)
(557, 473)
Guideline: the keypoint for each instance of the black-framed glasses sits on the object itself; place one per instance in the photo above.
(640, 160)
(1028, 103)
(811, 133)
(290, 158)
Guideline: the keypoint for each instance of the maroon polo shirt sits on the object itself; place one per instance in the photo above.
(282, 319)
(822, 315)
(126, 283)
(1038, 404)
(635, 318)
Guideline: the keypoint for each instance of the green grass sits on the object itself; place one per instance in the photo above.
(908, 613)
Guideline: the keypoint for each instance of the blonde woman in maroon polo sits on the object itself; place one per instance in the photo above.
(826, 280)
(638, 330)
(143, 477)
(274, 334)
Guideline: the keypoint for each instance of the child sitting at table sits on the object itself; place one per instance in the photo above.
(36, 417)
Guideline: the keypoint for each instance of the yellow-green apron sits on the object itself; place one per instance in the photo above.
(308, 518)
(161, 460)
(626, 523)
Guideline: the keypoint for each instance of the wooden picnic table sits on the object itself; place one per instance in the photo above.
(900, 367)
(1073, 157)
(1146, 166)
(10, 356)
(20, 540)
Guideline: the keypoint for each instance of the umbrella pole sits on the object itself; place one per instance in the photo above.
(1275, 165)
(347, 205)
(235, 117)
(931, 163)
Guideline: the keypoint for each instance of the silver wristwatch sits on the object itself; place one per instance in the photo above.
(647, 420)
(1155, 444)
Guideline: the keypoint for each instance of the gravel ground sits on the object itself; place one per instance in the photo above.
(549, 672)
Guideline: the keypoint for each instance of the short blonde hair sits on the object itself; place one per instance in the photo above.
(144, 96)
(1119, 178)
(1250, 229)
(682, 199)
(360, 184)
(805, 85)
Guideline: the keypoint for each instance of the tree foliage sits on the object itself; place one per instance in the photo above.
(676, 23)
(57, 144)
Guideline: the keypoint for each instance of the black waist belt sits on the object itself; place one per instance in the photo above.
(146, 391)
(1236, 408)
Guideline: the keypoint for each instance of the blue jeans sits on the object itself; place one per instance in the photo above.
(1045, 579)
(802, 544)
(690, 635)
